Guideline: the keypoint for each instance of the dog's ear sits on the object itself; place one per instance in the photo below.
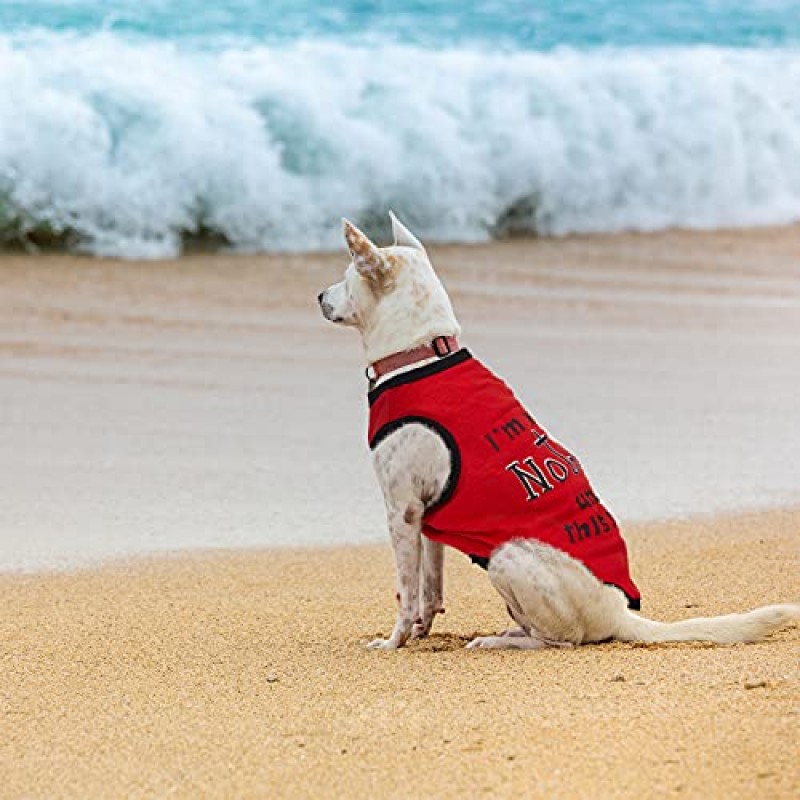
(402, 235)
(367, 259)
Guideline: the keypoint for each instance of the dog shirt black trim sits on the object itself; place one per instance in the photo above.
(418, 374)
(446, 437)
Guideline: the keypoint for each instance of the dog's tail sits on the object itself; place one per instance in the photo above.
(751, 626)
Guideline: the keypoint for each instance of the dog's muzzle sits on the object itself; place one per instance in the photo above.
(327, 309)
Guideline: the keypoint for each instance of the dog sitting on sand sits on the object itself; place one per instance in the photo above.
(462, 463)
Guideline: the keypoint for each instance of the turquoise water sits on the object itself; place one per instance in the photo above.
(130, 128)
(527, 25)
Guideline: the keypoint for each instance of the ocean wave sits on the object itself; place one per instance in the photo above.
(130, 147)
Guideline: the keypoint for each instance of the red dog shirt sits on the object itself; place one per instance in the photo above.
(508, 478)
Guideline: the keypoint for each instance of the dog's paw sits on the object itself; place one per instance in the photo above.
(421, 630)
(488, 643)
(516, 631)
(512, 643)
(382, 644)
(422, 627)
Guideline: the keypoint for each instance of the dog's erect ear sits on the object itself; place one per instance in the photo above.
(402, 235)
(367, 259)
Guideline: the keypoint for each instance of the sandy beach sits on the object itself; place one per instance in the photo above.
(193, 552)
(245, 675)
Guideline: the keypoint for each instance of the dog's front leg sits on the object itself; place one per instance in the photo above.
(413, 466)
(405, 533)
(432, 580)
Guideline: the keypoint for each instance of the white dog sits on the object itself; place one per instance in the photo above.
(462, 463)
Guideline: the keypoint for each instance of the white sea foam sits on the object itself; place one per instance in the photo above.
(133, 144)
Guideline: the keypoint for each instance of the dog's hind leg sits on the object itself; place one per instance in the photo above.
(557, 601)
(553, 597)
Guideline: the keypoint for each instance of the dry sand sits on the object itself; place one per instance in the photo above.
(203, 404)
(245, 674)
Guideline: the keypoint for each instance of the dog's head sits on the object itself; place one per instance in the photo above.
(391, 295)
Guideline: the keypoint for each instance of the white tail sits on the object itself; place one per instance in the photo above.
(751, 626)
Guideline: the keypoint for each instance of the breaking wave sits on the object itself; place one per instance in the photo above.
(131, 146)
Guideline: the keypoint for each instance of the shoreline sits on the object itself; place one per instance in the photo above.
(134, 562)
(158, 406)
(767, 233)
(242, 673)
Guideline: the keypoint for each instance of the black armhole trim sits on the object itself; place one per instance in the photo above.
(421, 372)
(447, 438)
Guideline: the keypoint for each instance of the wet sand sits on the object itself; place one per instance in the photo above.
(199, 412)
(149, 407)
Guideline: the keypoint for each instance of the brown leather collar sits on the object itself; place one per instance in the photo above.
(440, 347)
